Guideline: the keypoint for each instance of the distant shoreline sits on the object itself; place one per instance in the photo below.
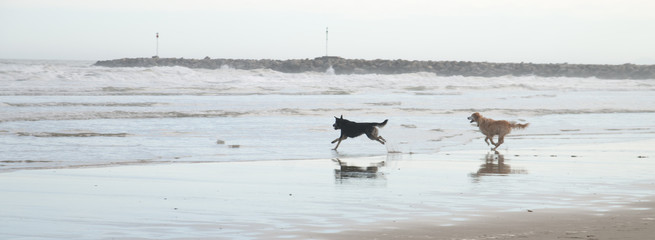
(379, 66)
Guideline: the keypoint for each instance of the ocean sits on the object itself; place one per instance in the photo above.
(60, 114)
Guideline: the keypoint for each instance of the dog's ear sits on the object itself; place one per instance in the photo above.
(342, 116)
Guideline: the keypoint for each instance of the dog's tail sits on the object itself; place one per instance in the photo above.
(519, 126)
(383, 123)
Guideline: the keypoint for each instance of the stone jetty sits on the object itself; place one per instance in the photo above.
(378, 66)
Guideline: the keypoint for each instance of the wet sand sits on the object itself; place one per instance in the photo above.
(636, 221)
(583, 191)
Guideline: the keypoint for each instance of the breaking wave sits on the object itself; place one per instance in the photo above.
(80, 134)
(82, 104)
(38, 78)
(43, 116)
(387, 108)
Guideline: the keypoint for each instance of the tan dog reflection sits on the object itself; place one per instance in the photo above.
(489, 168)
(490, 128)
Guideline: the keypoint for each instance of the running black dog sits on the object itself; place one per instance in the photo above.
(353, 129)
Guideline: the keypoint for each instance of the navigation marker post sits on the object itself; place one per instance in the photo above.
(157, 51)
(326, 41)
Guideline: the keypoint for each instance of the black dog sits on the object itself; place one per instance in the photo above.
(353, 129)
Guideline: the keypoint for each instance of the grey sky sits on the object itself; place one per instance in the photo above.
(548, 31)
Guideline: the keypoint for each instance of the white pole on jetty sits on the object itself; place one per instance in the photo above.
(157, 50)
(326, 41)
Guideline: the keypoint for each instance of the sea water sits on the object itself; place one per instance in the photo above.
(586, 149)
(57, 114)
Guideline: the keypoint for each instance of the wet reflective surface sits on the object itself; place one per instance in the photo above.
(247, 200)
(494, 164)
(345, 171)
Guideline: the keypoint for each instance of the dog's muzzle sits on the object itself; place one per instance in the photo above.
(335, 126)
(471, 118)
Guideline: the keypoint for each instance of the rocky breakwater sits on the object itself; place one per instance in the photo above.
(441, 68)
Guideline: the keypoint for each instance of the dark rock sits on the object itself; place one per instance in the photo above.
(380, 66)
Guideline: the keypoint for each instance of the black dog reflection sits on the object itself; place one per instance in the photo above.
(346, 171)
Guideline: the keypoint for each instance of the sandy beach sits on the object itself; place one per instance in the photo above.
(89, 152)
(561, 192)
(637, 221)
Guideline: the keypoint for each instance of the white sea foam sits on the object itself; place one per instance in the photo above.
(80, 78)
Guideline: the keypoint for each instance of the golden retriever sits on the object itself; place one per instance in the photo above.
(490, 127)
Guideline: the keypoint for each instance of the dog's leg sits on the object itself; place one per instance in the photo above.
(501, 140)
(383, 140)
(486, 139)
(373, 135)
(335, 148)
(491, 139)
(338, 139)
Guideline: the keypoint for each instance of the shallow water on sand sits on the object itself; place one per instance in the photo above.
(293, 199)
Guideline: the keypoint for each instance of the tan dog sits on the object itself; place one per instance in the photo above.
(490, 127)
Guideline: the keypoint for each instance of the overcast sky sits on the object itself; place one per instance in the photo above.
(539, 31)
